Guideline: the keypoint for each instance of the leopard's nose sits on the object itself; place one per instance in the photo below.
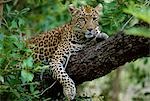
(89, 29)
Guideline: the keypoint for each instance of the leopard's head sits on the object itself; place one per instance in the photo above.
(85, 20)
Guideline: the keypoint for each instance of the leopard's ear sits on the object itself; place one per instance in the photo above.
(72, 9)
(99, 8)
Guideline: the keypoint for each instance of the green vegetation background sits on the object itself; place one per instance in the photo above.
(23, 18)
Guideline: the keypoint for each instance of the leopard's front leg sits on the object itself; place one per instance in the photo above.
(58, 70)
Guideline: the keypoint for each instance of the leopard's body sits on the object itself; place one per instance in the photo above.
(56, 46)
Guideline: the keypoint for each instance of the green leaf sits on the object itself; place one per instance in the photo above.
(26, 75)
(1, 61)
(13, 24)
(18, 45)
(25, 10)
(36, 92)
(28, 62)
(139, 31)
(32, 88)
(17, 94)
(2, 79)
(3, 87)
(21, 22)
(8, 8)
(12, 38)
(28, 50)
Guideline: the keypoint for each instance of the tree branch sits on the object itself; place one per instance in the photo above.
(100, 59)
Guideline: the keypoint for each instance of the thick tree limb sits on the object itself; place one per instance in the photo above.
(100, 59)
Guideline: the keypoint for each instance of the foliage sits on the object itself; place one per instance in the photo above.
(142, 12)
(23, 18)
(140, 31)
(113, 17)
(14, 79)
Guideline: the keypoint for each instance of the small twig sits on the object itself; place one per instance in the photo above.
(2, 2)
(48, 88)
(33, 83)
(123, 27)
(5, 23)
(67, 60)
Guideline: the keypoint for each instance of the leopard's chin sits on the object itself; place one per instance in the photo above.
(89, 36)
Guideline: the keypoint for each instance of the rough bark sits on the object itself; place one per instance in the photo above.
(100, 59)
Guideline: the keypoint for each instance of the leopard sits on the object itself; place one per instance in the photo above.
(55, 47)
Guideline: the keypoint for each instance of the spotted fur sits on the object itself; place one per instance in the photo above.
(55, 47)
